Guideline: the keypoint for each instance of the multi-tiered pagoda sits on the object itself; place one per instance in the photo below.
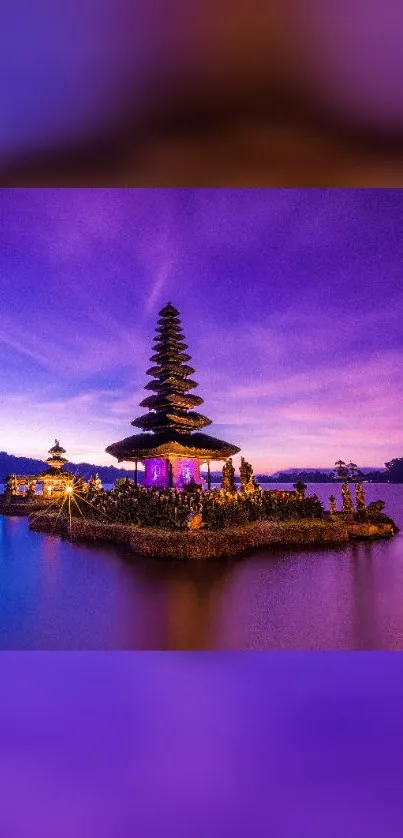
(56, 461)
(55, 480)
(51, 482)
(171, 447)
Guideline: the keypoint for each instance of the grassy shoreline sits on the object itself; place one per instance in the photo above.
(212, 544)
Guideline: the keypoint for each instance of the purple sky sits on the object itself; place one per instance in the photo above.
(213, 744)
(291, 301)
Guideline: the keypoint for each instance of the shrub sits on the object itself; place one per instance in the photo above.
(171, 508)
(374, 511)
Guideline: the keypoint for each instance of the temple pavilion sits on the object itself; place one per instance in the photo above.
(171, 445)
(51, 482)
(55, 480)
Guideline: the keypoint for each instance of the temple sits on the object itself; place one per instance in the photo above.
(51, 482)
(56, 461)
(171, 447)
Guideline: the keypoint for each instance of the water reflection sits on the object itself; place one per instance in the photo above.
(179, 606)
(58, 595)
(365, 628)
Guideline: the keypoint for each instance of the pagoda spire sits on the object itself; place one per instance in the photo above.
(170, 408)
(172, 447)
(56, 460)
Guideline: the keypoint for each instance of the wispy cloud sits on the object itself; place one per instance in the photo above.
(159, 283)
(291, 302)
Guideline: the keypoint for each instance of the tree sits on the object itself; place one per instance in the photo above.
(228, 477)
(341, 469)
(94, 486)
(300, 488)
(354, 472)
(78, 487)
(93, 489)
(11, 487)
(11, 484)
(375, 510)
(395, 470)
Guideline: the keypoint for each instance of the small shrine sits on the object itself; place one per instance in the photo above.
(51, 482)
(171, 445)
(54, 481)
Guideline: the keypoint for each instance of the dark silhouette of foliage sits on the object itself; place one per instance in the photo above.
(172, 508)
(300, 488)
(395, 470)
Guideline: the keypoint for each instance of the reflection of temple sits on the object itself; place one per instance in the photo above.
(179, 604)
(171, 451)
(366, 575)
(51, 482)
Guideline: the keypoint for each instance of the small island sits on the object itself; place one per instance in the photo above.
(192, 539)
(176, 514)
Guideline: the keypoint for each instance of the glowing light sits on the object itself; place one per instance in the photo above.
(69, 490)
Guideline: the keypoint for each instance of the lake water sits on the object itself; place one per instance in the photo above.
(58, 595)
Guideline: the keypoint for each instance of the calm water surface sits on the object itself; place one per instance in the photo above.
(57, 595)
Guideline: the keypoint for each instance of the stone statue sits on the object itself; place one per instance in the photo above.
(248, 482)
(228, 477)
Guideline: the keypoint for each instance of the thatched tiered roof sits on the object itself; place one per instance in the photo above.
(171, 417)
(171, 406)
(201, 446)
(56, 460)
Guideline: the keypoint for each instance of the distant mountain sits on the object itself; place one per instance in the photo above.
(301, 469)
(322, 475)
(291, 475)
(10, 464)
(306, 470)
(288, 476)
(216, 476)
(315, 476)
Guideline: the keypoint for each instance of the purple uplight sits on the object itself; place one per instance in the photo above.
(184, 471)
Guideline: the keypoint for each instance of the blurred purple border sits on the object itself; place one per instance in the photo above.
(222, 744)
